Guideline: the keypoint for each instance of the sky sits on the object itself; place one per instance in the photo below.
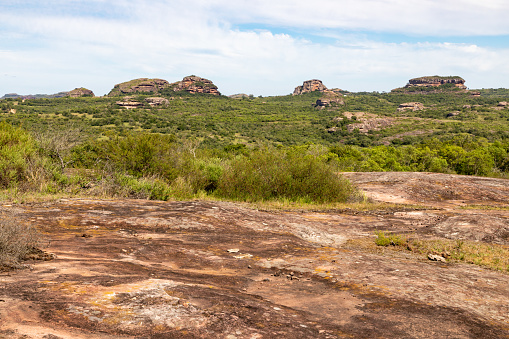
(259, 47)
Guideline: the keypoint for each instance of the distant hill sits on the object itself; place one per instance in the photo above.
(35, 96)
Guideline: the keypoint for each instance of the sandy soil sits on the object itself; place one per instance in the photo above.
(149, 269)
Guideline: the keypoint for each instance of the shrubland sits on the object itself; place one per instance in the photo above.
(248, 149)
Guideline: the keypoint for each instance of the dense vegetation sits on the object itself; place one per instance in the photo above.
(272, 147)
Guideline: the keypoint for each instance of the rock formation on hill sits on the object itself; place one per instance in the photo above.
(330, 97)
(191, 84)
(195, 84)
(410, 106)
(310, 86)
(81, 92)
(130, 102)
(34, 96)
(141, 85)
(435, 81)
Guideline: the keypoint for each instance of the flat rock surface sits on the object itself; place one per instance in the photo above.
(200, 269)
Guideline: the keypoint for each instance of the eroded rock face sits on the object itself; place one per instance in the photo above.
(367, 125)
(195, 84)
(142, 85)
(157, 101)
(329, 98)
(129, 103)
(310, 86)
(81, 92)
(413, 106)
(435, 81)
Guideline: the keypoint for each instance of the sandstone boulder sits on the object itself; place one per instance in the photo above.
(195, 84)
(310, 86)
(81, 92)
(329, 98)
(157, 101)
(130, 103)
(435, 81)
(142, 85)
(410, 106)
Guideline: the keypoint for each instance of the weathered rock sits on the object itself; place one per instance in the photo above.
(453, 114)
(195, 84)
(435, 81)
(129, 103)
(142, 85)
(435, 257)
(157, 101)
(310, 86)
(329, 98)
(413, 106)
(81, 92)
(370, 124)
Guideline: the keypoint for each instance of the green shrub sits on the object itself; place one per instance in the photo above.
(271, 175)
(384, 239)
(17, 151)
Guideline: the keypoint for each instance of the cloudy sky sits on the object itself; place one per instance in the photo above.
(260, 47)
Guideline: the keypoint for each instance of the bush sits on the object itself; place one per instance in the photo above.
(17, 149)
(271, 175)
(17, 239)
(383, 239)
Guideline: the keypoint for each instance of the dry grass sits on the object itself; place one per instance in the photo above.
(486, 207)
(492, 256)
(17, 240)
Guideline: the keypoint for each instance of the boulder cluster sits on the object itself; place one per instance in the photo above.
(329, 97)
(190, 84)
(435, 81)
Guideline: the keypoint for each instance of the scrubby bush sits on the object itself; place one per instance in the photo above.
(271, 174)
(17, 150)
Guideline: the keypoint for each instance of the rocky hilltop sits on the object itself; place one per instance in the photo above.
(435, 81)
(330, 96)
(190, 84)
(142, 85)
(81, 92)
(310, 86)
(195, 84)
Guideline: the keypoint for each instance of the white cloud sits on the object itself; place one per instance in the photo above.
(51, 52)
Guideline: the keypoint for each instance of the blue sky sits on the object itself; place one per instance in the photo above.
(260, 47)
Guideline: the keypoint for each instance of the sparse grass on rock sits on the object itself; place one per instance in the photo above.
(492, 256)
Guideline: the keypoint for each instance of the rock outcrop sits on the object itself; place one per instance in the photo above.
(410, 106)
(81, 92)
(157, 101)
(435, 81)
(190, 84)
(130, 103)
(142, 85)
(367, 125)
(195, 84)
(329, 98)
(310, 86)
